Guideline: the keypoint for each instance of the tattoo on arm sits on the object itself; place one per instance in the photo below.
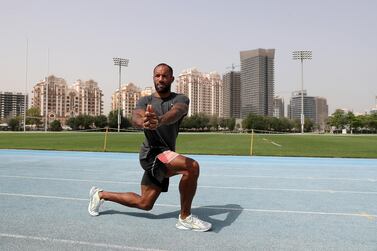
(176, 113)
(138, 118)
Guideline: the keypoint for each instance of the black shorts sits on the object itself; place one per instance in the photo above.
(155, 173)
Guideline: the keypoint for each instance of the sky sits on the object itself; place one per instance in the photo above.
(78, 39)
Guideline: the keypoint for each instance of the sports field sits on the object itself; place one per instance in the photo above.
(308, 145)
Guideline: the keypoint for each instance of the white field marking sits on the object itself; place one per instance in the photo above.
(276, 144)
(203, 186)
(73, 242)
(363, 214)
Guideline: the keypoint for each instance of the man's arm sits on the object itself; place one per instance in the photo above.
(145, 119)
(174, 114)
(138, 118)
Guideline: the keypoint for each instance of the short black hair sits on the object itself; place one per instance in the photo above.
(163, 64)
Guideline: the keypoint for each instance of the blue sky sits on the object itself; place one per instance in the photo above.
(83, 37)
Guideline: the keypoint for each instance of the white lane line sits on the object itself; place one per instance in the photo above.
(292, 190)
(363, 214)
(93, 244)
(287, 177)
(203, 186)
(65, 179)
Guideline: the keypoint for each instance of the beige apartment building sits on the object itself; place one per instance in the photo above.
(130, 95)
(205, 91)
(64, 102)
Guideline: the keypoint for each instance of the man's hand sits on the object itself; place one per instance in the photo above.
(150, 120)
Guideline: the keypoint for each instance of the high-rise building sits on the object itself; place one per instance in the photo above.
(90, 96)
(315, 108)
(231, 94)
(322, 112)
(52, 95)
(278, 110)
(130, 94)
(12, 104)
(257, 82)
(147, 91)
(205, 91)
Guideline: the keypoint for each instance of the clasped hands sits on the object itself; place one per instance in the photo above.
(150, 120)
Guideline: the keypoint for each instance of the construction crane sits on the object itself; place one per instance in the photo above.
(233, 67)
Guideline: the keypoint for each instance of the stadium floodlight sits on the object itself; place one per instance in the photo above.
(302, 55)
(120, 62)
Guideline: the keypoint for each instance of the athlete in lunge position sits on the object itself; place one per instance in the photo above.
(160, 116)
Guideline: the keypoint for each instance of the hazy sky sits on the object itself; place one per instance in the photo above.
(83, 37)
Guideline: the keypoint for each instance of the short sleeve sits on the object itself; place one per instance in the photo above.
(180, 98)
(142, 103)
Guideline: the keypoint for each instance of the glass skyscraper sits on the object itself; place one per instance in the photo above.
(257, 82)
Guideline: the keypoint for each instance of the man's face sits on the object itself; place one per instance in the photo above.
(162, 79)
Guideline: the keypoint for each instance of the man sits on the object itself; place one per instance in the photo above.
(160, 116)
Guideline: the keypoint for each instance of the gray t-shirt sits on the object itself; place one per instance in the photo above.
(164, 137)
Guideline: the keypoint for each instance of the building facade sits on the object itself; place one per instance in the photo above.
(130, 94)
(12, 104)
(205, 91)
(315, 108)
(257, 82)
(54, 97)
(278, 107)
(322, 110)
(231, 94)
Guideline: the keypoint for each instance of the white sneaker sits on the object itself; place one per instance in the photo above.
(94, 201)
(193, 223)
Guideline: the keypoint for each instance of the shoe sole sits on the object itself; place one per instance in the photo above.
(181, 227)
(91, 194)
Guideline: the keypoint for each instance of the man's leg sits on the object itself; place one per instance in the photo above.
(145, 201)
(189, 169)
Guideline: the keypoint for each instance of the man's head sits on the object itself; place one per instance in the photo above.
(163, 78)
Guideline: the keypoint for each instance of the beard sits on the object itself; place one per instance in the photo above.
(161, 88)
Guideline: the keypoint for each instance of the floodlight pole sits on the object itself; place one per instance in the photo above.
(301, 55)
(120, 62)
(26, 71)
(47, 82)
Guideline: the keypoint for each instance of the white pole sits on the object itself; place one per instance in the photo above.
(302, 96)
(120, 97)
(47, 82)
(26, 72)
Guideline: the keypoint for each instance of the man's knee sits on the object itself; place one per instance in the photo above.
(194, 169)
(145, 205)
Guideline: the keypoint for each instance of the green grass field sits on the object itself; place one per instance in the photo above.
(202, 143)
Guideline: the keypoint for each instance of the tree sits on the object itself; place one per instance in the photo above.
(230, 123)
(72, 122)
(113, 120)
(338, 119)
(56, 125)
(308, 125)
(372, 122)
(253, 121)
(33, 116)
(214, 122)
(14, 123)
(100, 121)
(85, 121)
